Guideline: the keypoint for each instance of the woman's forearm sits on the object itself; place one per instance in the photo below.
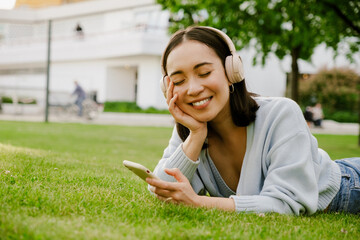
(226, 204)
(193, 145)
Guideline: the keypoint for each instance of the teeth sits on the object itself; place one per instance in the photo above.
(201, 102)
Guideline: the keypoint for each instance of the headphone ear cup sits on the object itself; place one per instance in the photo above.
(234, 68)
(229, 68)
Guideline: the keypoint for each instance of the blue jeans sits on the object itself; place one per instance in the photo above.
(348, 197)
(79, 102)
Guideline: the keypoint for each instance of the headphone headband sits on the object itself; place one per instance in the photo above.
(225, 37)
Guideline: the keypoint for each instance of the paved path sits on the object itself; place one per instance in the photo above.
(332, 127)
(163, 120)
(127, 119)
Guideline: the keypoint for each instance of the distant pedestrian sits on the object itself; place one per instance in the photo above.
(318, 115)
(79, 31)
(81, 95)
(308, 115)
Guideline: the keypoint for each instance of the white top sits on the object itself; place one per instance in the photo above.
(317, 113)
(283, 169)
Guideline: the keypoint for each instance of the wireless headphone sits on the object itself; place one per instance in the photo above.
(233, 64)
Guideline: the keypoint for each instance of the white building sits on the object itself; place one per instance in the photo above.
(118, 57)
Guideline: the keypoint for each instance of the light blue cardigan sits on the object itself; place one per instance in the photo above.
(283, 170)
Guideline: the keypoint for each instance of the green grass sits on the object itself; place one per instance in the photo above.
(66, 181)
(339, 146)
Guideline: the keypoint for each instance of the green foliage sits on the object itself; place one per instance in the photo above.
(284, 27)
(23, 100)
(277, 26)
(121, 107)
(342, 116)
(338, 91)
(27, 101)
(6, 99)
(130, 107)
(66, 181)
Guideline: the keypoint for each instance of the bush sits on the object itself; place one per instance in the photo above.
(6, 99)
(23, 100)
(121, 107)
(336, 89)
(342, 116)
(130, 107)
(27, 101)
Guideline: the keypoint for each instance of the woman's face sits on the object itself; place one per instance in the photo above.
(199, 80)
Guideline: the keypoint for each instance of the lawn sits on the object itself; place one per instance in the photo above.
(66, 181)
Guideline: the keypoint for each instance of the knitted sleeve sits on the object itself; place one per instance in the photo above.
(174, 157)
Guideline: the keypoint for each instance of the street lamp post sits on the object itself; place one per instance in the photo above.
(48, 72)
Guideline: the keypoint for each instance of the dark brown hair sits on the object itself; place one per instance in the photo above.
(243, 106)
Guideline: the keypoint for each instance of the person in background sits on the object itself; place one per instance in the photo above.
(79, 31)
(318, 115)
(308, 115)
(80, 97)
(236, 151)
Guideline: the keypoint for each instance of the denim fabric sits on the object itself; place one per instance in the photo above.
(348, 197)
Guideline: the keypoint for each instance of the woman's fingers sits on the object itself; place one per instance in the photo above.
(177, 174)
(169, 90)
(172, 105)
(169, 186)
(163, 192)
(177, 113)
(166, 199)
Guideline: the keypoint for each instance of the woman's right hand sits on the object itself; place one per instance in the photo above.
(179, 115)
(198, 130)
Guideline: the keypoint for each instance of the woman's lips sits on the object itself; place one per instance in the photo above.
(201, 104)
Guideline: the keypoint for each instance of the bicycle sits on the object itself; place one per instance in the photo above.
(91, 110)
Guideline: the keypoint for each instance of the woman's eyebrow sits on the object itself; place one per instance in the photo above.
(201, 64)
(194, 68)
(176, 72)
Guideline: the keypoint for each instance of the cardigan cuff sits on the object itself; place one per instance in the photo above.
(182, 162)
(245, 204)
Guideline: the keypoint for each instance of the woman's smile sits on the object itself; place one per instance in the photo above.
(202, 103)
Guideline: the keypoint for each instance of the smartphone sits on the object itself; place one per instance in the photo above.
(139, 170)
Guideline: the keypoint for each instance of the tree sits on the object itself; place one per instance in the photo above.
(283, 27)
(337, 90)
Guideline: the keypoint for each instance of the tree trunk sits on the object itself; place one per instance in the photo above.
(294, 83)
(359, 118)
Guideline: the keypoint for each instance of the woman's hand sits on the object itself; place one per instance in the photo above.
(179, 115)
(179, 192)
(198, 130)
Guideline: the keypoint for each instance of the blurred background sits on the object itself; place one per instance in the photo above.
(112, 48)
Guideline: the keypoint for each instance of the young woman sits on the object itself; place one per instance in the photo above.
(235, 151)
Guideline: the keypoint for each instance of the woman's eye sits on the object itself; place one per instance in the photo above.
(178, 82)
(204, 74)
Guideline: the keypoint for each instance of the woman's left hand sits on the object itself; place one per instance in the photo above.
(175, 192)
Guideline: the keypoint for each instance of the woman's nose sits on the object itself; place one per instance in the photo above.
(195, 87)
